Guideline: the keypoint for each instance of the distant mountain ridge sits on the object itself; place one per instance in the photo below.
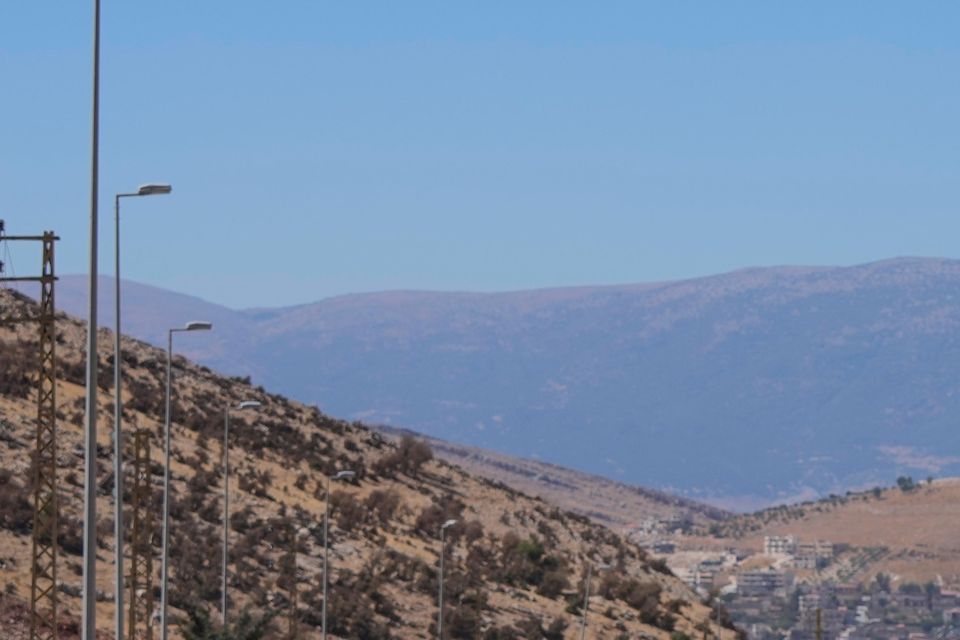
(743, 388)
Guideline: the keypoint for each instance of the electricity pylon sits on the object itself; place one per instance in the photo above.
(43, 568)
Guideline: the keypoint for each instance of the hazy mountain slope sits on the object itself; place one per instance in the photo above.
(746, 387)
(515, 565)
(615, 504)
(149, 312)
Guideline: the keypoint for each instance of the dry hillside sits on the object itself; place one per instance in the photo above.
(516, 564)
(910, 535)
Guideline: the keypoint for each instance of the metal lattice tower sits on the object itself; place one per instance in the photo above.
(140, 578)
(43, 583)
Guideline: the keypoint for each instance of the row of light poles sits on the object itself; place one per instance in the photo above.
(157, 189)
(118, 466)
(144, 190)
(163, 189)
(88, 625)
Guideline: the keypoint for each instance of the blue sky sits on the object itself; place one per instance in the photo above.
(319, 148)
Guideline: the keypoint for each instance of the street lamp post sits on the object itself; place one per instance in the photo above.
(586, 596)
(247, 404)
(145, 190)
(190, 326)
(89, 613)
(340, 475)
(443, 551)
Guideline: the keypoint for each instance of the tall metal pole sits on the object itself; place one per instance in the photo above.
(89, 613)
(165, 559)
(226, 507)
(326, 553)
(339, 475)
(166, 497)
(443, 552)
(293, 583)
(117, 435)
(586, 602)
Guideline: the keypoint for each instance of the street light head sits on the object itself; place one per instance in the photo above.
(448, 524)
(344, 475)
(249, 404)
(198, 325)
(154, 189)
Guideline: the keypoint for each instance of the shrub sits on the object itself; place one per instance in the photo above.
(433, 516)
(410, 456)
(16, 512)
(906, 484)
(16, 368)
(383, 504)
(555, 630)
(349, 512)
(145, 397)
(554, 583)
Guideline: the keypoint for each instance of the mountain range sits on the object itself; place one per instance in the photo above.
(746, 388)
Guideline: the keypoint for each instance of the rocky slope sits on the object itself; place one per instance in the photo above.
(516, 564)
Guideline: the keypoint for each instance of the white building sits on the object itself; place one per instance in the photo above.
(779, 545)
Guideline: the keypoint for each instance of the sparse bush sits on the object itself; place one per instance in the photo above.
(199, 626)
(410, 456)
(16, 512)
(17, 365)
(348, 511)
(433, 516)
(145, 397)
(554, 583)
(383, 504)
(906, 484)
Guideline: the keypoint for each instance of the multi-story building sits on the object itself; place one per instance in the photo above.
(763, 582)
(779, 545)
(821, 549)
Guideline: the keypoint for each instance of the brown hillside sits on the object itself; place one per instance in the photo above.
(516, 564)
(910, 534)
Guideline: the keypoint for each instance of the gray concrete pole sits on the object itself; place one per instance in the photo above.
(164, 569)
(586, 602)
(226, 507)
(89, 611)
(326, 553)
(443, 544)
(117, 437)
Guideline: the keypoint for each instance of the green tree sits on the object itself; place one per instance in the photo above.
(883, 582)
(199, 626)
(906, 483)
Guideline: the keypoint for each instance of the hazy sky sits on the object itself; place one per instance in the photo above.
(319, 148)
